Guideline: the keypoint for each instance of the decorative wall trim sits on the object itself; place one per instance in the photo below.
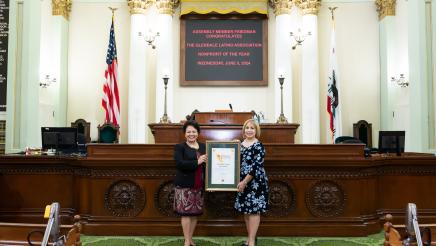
(132, 173)
(305, 173)
(169, 173)
(37, 170)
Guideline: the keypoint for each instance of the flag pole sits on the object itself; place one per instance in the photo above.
(332, 86)
(110, 100)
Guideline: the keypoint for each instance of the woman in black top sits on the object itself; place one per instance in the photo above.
(190, 158)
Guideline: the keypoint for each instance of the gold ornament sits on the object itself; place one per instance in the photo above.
(167, 6)
(281, 7)
(138, 6)
(61, 7)
(385, 8)
(309, 6)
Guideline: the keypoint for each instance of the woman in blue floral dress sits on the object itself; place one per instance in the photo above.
(252, 197)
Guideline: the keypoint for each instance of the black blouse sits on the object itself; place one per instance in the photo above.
(186, 164)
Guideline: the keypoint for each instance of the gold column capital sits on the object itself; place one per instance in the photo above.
(167, 6)
(138, 6)
(385, 8)
(61, 7)
(281, 7)
(309, 6)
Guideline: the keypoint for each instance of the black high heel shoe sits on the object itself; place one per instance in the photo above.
(191, 245)
(255, 242)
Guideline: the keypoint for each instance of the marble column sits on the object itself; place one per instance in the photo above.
(22, 129)
(386, 10)
(310, 120)
(420, 74)
(282, 57)
(165, 59)
(60, 10)
(138, 89)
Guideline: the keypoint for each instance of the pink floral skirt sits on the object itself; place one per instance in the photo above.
(188, 201)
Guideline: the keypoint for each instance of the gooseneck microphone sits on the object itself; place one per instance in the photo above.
(231, 108)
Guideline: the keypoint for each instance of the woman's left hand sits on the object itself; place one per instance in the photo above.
(241, 186)
(202, 159)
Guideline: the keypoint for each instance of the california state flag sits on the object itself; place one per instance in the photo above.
(333, 102)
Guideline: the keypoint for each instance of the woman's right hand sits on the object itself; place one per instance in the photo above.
(202, 159)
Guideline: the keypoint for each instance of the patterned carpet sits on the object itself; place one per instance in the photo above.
(371, 240)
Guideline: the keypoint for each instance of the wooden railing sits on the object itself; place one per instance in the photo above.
(18, 233)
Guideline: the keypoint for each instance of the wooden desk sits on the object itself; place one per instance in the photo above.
(270, 133)
(221, 118)
(315, 190)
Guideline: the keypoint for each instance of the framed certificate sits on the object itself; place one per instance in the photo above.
(223, 165)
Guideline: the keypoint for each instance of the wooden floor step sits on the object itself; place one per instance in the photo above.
(16, 233)
(402, 230)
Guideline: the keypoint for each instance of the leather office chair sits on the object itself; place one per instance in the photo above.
(83, 129)
(362, 130)
(108, 133)
(347, 140)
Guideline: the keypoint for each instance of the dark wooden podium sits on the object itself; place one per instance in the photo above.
(223, 126)
(219, 118)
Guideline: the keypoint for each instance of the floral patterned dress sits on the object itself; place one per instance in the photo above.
(254, 198)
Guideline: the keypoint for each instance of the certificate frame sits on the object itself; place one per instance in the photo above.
(223, 165)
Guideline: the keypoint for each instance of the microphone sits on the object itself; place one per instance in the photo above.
(217, 121)
(231, 108)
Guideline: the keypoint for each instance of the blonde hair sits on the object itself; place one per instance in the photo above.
(256, 127)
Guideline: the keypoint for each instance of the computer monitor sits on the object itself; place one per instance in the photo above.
(391, 142)
(62, 139)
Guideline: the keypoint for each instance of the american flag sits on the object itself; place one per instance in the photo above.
(333, 103)
(111, 99)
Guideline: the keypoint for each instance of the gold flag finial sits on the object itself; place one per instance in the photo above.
(113, 11)
(332, 10)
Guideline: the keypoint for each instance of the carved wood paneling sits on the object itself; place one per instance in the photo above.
(325, 199)
(282, 199)
(220, 204)
(127, 189)
(124, 198)
(164, 199)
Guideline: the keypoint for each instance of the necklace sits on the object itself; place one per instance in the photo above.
(248, 143)
(192, 145)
